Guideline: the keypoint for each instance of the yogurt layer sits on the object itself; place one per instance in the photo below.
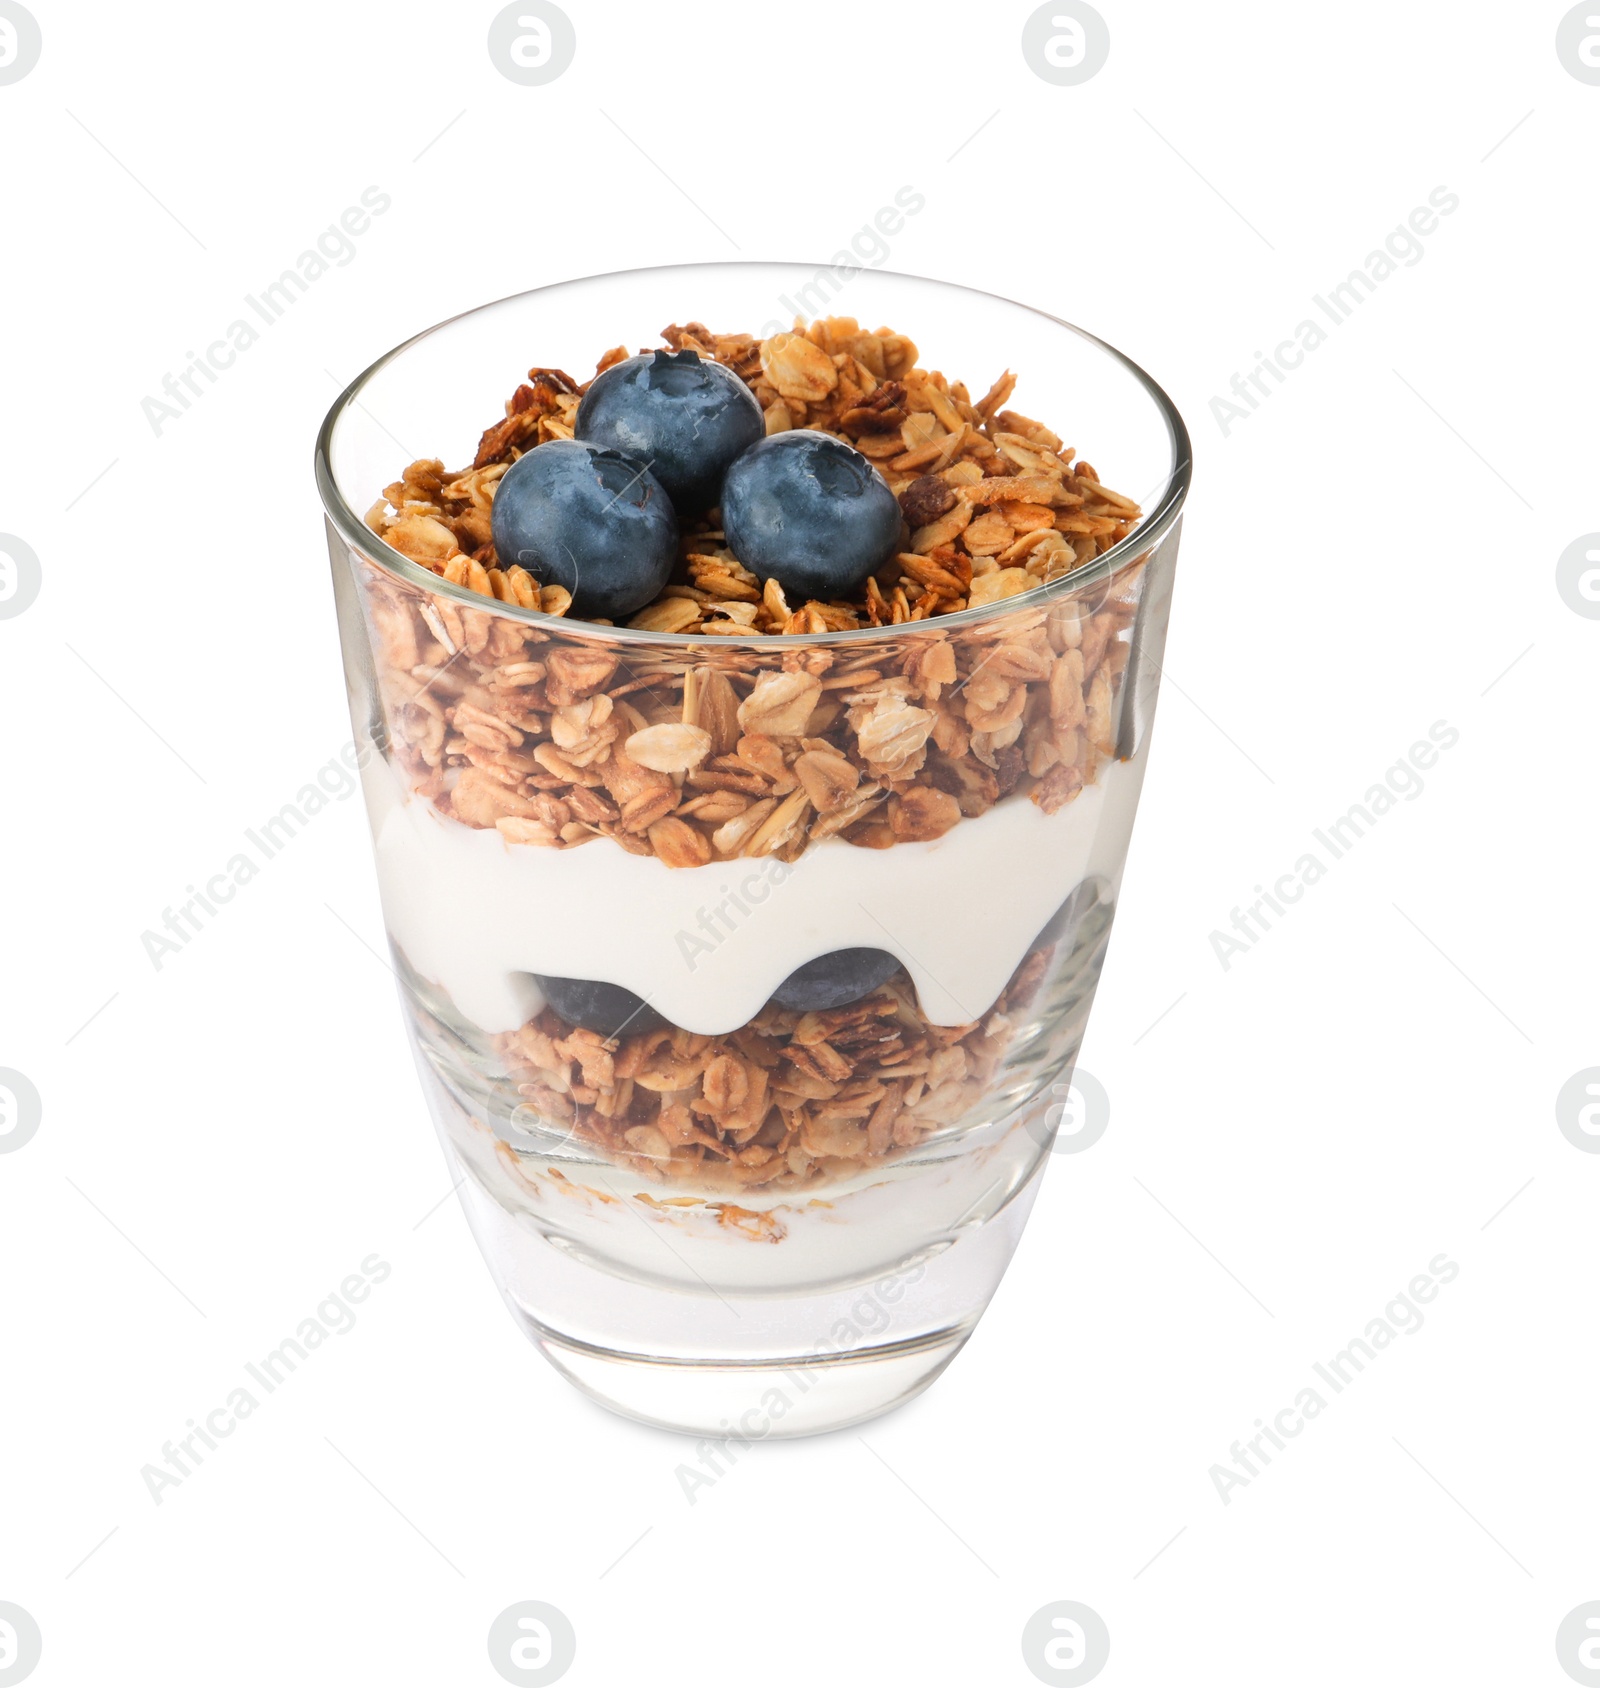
(707, 946)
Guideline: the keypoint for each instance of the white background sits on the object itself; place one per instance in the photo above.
(227, 1138)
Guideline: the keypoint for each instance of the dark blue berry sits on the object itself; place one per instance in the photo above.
(599, 1007)
(833, 980)
(685, 418)
(810, 512)
(593, 521)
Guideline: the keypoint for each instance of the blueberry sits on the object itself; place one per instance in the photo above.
(833, 980)
(810, 512)
(592, 1003)
(685, 418)
(593, 521)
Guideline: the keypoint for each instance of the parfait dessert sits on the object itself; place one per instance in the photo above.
(752, 727)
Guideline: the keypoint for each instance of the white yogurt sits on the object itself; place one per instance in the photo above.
(707, 946)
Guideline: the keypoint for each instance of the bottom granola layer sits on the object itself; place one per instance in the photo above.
(785, 1101)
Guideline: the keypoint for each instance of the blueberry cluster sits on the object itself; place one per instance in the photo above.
(834, 980)
(831, 981)
(670, 435)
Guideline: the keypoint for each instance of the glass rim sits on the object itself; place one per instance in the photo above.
(1152, 528)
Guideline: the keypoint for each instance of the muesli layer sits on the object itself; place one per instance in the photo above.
(993, 502)
(699, 754)
(710, 752)
(788, 1101)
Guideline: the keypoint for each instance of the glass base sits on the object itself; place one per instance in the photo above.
(752, 1401)
(746, 1322)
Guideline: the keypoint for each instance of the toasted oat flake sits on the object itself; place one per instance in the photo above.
(670, 748)
(797, 368)
(781, 704)
(679, 844)
(1001, 583)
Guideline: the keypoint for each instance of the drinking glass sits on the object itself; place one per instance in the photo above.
(723, 1214)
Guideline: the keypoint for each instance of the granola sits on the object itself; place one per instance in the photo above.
(700, 754)
(717, 750)
(993, 503)
(787, 1101)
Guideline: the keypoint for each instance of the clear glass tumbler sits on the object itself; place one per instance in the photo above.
(722, 1214)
